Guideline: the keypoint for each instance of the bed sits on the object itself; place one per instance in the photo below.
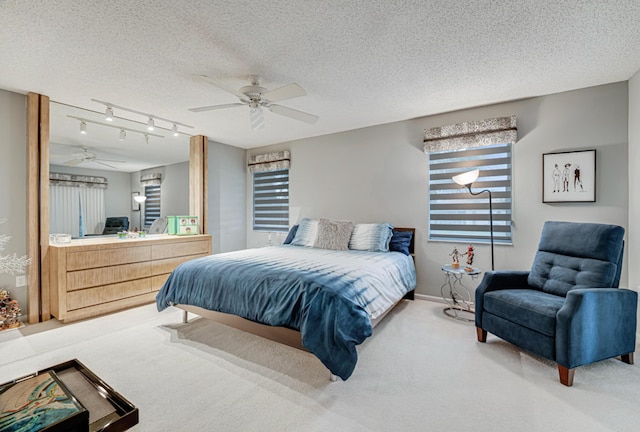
(321, 300)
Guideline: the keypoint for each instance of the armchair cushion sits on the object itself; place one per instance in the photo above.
(526, 307)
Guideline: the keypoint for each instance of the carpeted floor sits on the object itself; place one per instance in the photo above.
(420, 371)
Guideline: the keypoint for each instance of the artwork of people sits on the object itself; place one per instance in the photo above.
(469, 253)
(455, 256)
(569, 176)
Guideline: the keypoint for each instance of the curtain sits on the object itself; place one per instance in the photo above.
(467, 135)
(76, 210)
(269, 161)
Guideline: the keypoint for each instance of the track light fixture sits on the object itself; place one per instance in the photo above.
(152, 118)
(108, 114)
(123, 130)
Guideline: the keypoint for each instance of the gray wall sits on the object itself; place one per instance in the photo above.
(380, 174)
(174, 192)
(227, 197)
(13, 184)
(633, 244)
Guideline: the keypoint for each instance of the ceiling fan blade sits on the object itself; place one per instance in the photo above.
(289, 91)
(222, 87)
(215, 107)
(294, 114)
(109, 160)
(256, 116)
(73, 162)
(102, 163)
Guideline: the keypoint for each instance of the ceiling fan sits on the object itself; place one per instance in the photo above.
(257, 97)
(85, 155)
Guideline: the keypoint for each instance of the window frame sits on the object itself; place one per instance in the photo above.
(273, 194)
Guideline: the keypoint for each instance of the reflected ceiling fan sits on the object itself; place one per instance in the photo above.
(85, 155)
(257, 97)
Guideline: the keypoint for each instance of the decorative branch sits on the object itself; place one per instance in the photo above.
(11, 264)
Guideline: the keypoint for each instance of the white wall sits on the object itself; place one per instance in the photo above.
(13, 184)
(380, 174)
(634, 180)
(227, 197)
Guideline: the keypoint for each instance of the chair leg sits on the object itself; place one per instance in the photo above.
(482, 334)
(627, 358)
(566, 375)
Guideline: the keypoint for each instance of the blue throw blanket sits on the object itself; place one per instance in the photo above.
(329, 296)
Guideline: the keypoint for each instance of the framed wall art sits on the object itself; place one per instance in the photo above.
(569, 176)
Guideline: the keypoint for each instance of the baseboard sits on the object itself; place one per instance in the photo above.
(430, 298)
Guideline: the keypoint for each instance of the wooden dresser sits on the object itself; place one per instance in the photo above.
(90, 277)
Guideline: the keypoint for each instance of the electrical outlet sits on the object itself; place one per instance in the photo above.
(21, 281)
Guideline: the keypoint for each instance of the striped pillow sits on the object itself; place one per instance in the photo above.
(371, 237)
(306, 234)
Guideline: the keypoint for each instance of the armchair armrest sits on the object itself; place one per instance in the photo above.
(497, 280)
(595, 324)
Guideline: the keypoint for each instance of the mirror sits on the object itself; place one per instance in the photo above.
(84, 143)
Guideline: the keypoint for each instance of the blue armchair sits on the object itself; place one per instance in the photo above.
(568, 308)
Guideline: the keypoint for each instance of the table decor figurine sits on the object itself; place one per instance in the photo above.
(469, 253)
(455, 256)
(9, 311)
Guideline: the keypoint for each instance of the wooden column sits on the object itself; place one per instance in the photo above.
(198, 180)
(38, 206)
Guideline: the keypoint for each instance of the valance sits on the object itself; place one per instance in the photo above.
(151, 179)
(269, 161)
(75, 180)
(478, 133)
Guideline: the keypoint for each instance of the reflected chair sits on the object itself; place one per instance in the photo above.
(568, 307)
(113, 225)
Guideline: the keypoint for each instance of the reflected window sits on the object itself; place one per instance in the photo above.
(152, 204)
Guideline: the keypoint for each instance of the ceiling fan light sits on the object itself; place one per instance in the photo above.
(150, 124)
(256, 116)
(108, 114)
(123, 134)
(83, 128)
(175, 130)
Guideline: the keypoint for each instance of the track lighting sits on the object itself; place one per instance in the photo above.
(123, 130)
(83, 128)
(123, 134)
(152, 118)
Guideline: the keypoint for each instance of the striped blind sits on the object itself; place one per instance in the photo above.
(152, 204)
(455, 214)
(271, 200)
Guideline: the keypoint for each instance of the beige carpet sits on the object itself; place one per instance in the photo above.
(420, 371)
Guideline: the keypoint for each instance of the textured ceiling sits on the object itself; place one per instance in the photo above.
(362, 62)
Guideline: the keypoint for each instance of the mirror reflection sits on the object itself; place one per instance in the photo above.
(101, 170)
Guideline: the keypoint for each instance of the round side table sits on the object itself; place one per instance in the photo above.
(456, 295)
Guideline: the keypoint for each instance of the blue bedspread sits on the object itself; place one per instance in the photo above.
(329, 296)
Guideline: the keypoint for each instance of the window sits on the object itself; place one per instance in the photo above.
(271, 200)
(455, 214)
(152, 204)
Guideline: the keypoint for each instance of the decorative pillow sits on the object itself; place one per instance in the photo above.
(306, 233)
(333, 234)
(400, 241)
(371, 237)
(291, 235)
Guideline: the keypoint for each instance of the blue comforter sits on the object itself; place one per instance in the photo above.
(329, 296)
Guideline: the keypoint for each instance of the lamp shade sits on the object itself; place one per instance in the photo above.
(140, 198)
(466, 178)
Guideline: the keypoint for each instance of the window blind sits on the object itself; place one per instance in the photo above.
(455, 214)
(152, 204)
(271, 200)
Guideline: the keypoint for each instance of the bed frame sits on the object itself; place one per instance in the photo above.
(283, 335)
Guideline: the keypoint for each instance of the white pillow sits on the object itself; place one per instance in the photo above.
(371, 237)
(306, 234)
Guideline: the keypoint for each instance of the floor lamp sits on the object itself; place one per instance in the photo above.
(140, 199)
(467, 179)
